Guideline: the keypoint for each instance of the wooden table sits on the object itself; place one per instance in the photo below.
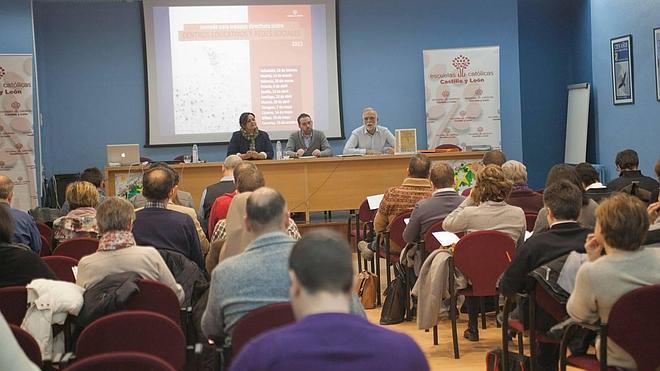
(330, 183)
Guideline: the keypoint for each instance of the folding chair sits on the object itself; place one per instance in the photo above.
(62, 266)
(28, 344)
(134, 331)
(13, 304)
(121, 361)
(633, 325)
(481, 257)
(77, 247)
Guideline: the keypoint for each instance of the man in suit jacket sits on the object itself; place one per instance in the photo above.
(307, 141)
(443, 201)
(563, 201)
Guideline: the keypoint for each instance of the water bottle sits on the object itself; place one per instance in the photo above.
(195, 154)
(278, 150)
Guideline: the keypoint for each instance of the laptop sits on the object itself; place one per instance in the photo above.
(123, 154)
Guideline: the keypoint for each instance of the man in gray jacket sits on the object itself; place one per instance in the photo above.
(307, 141)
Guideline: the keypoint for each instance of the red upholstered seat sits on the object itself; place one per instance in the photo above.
(28, 344)
(121, 361)
(77, 247)
(358, 227)
(156, 297)
(46, 247)
(530, 218)
(258, 321)
(45, 231)
(134, 331)
(62, 267)
(13, 304)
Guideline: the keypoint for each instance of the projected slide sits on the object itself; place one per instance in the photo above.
(210, 63)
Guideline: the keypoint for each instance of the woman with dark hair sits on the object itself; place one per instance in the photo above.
(617, 264)
(250, 143)
(566, 172)
(18, 264)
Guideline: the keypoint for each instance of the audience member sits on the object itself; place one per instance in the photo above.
(521, 195)
(161, 228)
(486, 209)
(617, 264)
(93, 175)
(82, 198)
(118, 252)
(567, 172)
(563, 201)
(399, 199)
(590, 179)
(224, 185)
(247, 178)
(443, 200)
(492, 157)
(653, 236)
(326, 336)
(249, 142)
(627, 163)
(180, 197)
(255, 277)
(12, 356)
(25, 228)
(370, 139)
(18, 264)
(307, 141)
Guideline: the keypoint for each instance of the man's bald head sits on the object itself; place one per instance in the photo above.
(6, 187)
(157, 183)
(231, 162)
(266, 211)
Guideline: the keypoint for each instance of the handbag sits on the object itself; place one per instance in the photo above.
(517, 362)
(394, 306)
(365, 288)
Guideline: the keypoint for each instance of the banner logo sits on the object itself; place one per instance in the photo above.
(461, 63)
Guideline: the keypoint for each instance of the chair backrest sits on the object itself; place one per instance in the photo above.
(633, 325)
(396, 228)
(28, 344)
(365, 214)
(482, 257)
(61, 266)
(449, 147)
(13, 304)
(156, 297)
(45, 230)
(258, 321)
(466, 192)
(530, 218)
(134, 331)
(46, 246)
(431, 243)
(121, 361)
(77, 247)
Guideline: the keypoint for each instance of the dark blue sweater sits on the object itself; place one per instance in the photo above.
(262, 143)
(168, 230)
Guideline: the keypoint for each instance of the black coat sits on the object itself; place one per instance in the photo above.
(109, 295)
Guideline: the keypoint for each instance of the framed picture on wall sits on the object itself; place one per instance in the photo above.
(622, 69)
(656, 61)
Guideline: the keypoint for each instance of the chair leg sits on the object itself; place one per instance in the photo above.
(359, 260)
(482, 307)
(521, 346)
(435, 335)
(497, 311)
(377, 272)
(453, 313)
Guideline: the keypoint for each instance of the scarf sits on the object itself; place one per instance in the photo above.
(250, 138)
(116, 240)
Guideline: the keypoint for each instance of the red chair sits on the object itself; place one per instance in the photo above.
(431, 243)
(28, 344)
(134, 331)
(62, 266)
(633, 325)
(481, 257)
(530, 218)
(447, 147)
(383, 246)
(363, 226)
(77, 247)
(45, 230)
(258, 321)
(156, 297)
(13, 304)
(46, 247)
(466, 192)
(121, 361)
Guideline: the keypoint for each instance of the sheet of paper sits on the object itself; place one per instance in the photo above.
(406, 220)
(374, 201)
(75, 272)
(446, 238)
(528, 234)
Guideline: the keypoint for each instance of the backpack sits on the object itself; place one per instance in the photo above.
(547, 275)
(394, 306)
(365, 288)
(517, 362)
